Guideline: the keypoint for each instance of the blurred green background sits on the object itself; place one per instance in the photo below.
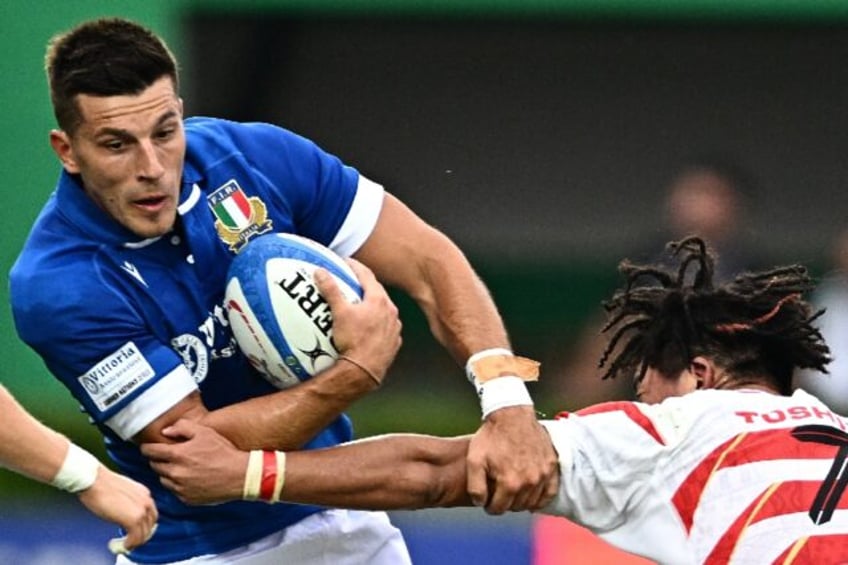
(544, 303)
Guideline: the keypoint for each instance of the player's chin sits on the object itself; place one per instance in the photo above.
(149, 226)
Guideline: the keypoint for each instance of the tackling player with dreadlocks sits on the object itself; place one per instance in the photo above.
(719, 461)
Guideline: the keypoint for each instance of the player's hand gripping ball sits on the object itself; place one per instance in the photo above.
(281, 322)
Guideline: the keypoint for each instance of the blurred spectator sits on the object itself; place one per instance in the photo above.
(832, 295)
(705, 197)
(708, 197)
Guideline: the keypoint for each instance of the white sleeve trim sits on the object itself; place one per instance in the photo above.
(152, 403)
(361, 218)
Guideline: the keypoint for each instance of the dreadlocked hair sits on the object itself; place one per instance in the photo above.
(755, 327)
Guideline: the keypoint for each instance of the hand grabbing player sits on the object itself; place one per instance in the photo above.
(512, 464)
(127, 503)
(201, 467)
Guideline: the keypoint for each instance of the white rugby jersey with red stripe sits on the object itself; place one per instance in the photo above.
(714, 476)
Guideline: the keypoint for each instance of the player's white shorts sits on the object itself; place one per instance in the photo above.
(332, 537)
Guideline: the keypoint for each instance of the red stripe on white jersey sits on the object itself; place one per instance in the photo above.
(817, 550)
(630, 410)
(782, 506)
(766, 445)
(780, 500)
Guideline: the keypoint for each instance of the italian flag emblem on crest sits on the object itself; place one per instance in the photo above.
(237, 216)
(234, 210)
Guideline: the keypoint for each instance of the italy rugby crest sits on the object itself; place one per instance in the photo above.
(237, 216)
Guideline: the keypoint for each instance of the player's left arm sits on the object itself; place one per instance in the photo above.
(511, 449)
(36, 451)
(26, 445)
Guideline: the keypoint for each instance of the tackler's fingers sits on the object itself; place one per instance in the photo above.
(182, 429)
(117, 547)
(120, 546)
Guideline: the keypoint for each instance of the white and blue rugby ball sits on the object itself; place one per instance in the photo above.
(281, 322)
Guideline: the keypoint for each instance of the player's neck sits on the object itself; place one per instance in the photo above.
(749, 384)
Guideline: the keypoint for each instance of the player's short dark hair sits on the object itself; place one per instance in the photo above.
(756, 326)
(104, 57)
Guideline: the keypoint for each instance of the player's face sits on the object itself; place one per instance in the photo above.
(129, 152)
(656, 387)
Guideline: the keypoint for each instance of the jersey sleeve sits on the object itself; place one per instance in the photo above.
(328, 200)
(609, 457)
(96, 343)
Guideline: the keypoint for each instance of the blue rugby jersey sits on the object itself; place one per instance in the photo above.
(131, 327)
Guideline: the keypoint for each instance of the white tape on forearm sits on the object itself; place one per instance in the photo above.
(78, 471)
(469, 365)
(501, 393)
(496, 363)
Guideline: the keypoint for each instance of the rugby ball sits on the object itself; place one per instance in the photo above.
(280, 321)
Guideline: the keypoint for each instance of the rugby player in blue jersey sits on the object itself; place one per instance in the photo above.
(119, 288)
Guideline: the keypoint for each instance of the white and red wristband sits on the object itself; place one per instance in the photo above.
(265, 476)
(499, 377)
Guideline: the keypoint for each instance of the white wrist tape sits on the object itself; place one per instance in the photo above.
(78, 471)
(502, 392)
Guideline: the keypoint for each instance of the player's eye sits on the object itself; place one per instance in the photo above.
(113, 144)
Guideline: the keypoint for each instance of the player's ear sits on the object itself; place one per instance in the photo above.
(61, 144)
(704, 370)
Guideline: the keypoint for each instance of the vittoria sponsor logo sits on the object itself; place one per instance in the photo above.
(116, 376)
(238, 217)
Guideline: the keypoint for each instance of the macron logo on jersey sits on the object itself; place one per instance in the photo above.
(133, 270)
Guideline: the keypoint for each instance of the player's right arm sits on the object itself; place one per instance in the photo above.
(368, 332)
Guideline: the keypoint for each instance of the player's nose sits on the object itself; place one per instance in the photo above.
(149, 161)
